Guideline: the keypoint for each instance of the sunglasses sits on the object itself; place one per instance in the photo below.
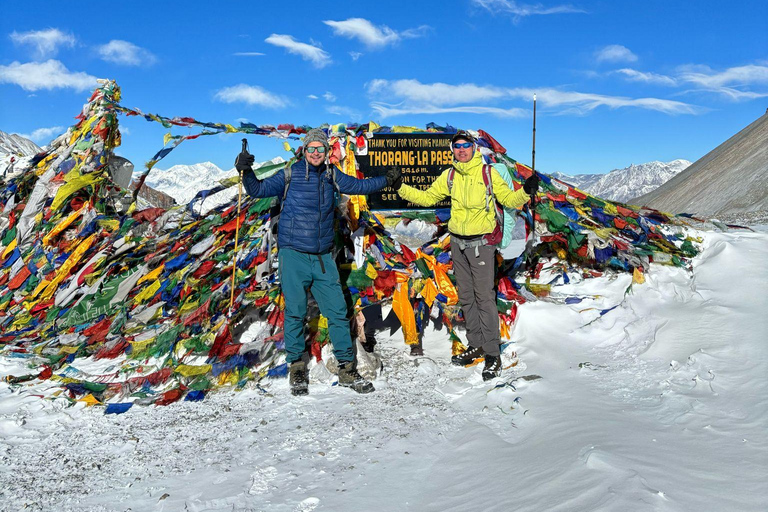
(319, 149)
(463, 145)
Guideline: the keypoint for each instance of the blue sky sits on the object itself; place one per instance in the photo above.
(617, 82)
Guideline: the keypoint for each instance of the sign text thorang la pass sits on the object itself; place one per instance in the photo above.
(422, 157)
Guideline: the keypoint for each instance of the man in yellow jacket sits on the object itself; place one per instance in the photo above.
(473, 215)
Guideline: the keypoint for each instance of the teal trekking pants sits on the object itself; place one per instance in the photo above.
(299, 272)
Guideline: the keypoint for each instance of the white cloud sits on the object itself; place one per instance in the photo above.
(436, 93)
(520, 10)
(415, 97)
(736, 76)
(317, 56)
(251, 95)
(634, 75)
(387, 110)
(582, 103)
(248, 54)
(51, 74)
(615, 53)
(44, 134)
(312, 97)
(329, 96)
(736, 94)
(45, 42)
(355, 55)
(370, 35)
(732, 83)
(125, 53)
(437, 98)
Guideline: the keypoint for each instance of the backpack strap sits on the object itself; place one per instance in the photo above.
(333, 178)
(451, 173)
(287, 172)
(496, 236)
(488, 180)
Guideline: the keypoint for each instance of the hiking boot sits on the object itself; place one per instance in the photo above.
(298, 378)
(417, 350)
(349, 378)
(492, 368)
(468, 356)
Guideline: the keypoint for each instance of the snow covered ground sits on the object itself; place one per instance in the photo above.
(661, 404)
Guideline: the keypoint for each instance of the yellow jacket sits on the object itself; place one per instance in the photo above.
(468, 214)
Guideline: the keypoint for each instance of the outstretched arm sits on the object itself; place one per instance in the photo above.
(269, 187)
(429, 197)
(359, 187)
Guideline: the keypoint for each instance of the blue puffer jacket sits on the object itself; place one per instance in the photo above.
(306, 221)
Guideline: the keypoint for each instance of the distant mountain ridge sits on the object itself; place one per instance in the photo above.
(183, 182)
(624, 184)
(12, 144)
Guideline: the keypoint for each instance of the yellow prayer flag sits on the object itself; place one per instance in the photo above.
(61, 226)
(67, 267)
(401, 305)
(429, 292)
(72, 186)
(137, 347)
(188, 370)
(11, 246)
(445, 285)
(89, 400)
(152, 275)
(147, 293)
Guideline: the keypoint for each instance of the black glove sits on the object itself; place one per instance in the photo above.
(394, 178)
(244, 162)
(531, 185)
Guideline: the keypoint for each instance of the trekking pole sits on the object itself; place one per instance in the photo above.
(243, 154)
(529, 244)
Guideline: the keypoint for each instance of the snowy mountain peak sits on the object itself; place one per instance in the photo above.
(624, 184)
(183, 182)
(12, 144)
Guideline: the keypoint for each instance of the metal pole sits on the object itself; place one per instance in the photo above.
(532, 207)
(533, 157)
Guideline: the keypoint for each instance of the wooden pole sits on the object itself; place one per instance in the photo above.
(237, 235)
(243, 153)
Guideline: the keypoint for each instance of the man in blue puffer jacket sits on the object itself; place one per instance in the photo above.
(305, 239)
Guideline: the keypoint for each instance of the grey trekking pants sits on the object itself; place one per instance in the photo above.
(475, 269)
